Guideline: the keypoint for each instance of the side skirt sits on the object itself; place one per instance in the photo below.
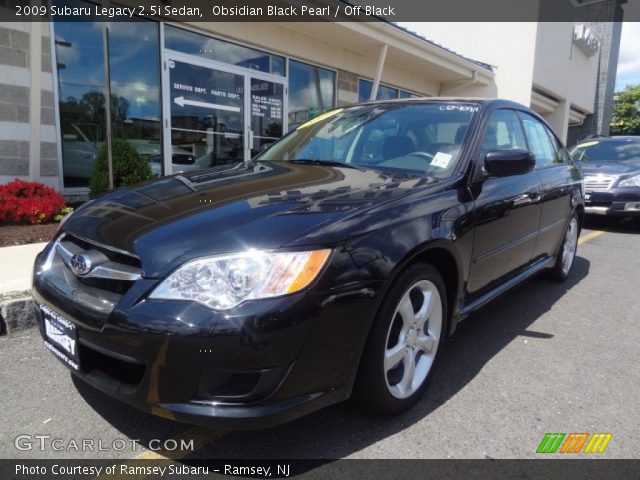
(500, 289)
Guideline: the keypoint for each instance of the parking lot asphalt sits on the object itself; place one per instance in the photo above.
(546, 357)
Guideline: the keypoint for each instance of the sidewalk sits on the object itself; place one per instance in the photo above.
(16, 264)
(16, 305)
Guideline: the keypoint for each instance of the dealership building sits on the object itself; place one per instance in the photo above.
(188, 96)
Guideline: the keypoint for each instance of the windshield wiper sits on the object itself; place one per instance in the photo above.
(330, 163)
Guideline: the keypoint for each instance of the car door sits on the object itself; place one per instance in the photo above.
(507, 212)
(558, 177)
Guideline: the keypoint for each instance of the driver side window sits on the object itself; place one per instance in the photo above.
(504, 132)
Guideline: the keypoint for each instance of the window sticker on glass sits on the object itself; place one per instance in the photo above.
(460, 108)
(441, 160)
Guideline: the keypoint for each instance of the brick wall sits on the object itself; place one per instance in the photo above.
(14, 101)
(17, 156)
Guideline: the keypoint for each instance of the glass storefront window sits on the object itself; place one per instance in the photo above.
(384, 92)
(215, 49)
(134, 61)
(405, 94)
(267, 99)
(207, 116)
(81, 82)
(312, 91)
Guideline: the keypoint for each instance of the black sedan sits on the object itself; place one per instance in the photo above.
(335, 264)
(611, 167)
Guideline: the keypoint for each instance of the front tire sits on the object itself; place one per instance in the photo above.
(567, 253)
(404, 341)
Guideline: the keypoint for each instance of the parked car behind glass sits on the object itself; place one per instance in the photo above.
(335, 264)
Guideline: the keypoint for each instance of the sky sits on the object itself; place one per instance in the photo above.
(629, 60)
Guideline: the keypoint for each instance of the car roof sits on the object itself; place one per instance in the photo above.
(607, 139)
(484, 102)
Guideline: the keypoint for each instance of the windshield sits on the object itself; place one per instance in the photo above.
(413, 139)
(607, 151)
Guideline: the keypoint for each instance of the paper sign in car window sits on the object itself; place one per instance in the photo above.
(319, 118)
(441, 160)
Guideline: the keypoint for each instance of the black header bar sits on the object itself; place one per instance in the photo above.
(322, 10)
(574, 469)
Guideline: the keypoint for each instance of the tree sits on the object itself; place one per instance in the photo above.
(626, 112)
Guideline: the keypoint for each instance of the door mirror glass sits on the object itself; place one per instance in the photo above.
(503, 163)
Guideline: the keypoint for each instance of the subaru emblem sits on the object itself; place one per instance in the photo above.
(80, 264)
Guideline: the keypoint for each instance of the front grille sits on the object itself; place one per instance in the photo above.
(113, 255)
(119, 373)
(119, 287)
(600, 182)
(98, 290)
(114, 272)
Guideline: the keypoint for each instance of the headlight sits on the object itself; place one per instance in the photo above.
(222, 282)
(630, 182)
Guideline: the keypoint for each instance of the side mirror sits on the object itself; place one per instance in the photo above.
(504, 163)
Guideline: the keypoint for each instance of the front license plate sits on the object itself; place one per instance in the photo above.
(60, 337)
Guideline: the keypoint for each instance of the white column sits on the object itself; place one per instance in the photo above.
(376, 81)
(559, 120)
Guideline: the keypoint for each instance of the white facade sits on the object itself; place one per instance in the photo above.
(538, 64)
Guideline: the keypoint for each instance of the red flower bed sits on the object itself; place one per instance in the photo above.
(29, 202)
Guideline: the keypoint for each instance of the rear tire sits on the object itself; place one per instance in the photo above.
(567, 253)
(404, 343)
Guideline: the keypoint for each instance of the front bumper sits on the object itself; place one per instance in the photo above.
(614, 202)
(258, 365)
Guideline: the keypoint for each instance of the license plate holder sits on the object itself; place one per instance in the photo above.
(61, 336)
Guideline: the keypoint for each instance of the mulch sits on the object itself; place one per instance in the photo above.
(23, 234)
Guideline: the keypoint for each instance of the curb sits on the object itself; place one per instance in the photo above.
(17, 312)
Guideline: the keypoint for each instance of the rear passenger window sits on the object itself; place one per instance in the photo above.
(540, 143)
(503, 132)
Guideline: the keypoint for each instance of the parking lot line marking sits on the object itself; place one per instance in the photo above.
(590, 236)
(200, 436)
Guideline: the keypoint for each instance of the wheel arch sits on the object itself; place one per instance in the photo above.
(442, 255)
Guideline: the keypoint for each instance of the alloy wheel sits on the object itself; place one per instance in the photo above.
(412, 339)
(570, 245)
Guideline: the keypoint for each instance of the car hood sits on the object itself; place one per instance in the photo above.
(610, 168)
(231, 208)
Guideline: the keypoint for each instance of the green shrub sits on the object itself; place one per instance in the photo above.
(129, 168)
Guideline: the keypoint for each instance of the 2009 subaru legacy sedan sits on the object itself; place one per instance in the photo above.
(334, 264)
